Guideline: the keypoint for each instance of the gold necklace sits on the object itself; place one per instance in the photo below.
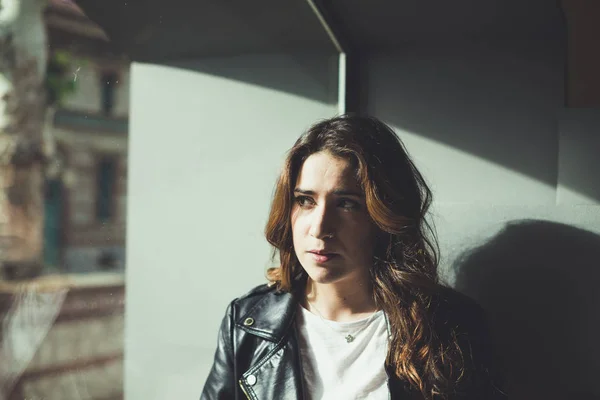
(349, 337)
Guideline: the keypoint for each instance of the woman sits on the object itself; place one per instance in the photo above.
(355, 309)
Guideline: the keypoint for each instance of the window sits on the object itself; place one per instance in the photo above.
(108, 84)
(105, 188)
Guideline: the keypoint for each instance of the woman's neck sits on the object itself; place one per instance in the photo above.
(340, 301)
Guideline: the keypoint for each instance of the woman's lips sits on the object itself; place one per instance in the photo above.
(322, 257)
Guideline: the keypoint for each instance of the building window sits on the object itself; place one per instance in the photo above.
(108, 84)
(105, 189)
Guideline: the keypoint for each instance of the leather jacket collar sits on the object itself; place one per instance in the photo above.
(272, 315)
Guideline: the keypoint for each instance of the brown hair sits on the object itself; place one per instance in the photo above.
(404, 272)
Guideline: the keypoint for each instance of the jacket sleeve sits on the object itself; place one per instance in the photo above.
(221, 381)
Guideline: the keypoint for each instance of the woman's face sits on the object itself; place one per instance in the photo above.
(333, 234)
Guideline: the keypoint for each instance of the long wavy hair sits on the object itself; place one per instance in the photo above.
(404, 272)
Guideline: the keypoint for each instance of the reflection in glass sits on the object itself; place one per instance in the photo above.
(63, 166)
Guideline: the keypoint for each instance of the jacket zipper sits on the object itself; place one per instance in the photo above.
(244, 389)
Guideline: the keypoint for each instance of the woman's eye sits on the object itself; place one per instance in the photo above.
(349, 205)
(303, 201)
(345, 204)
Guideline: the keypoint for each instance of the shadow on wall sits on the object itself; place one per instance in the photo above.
(483, 99)
(539, 281)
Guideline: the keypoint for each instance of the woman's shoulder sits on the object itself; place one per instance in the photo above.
(257, 294)
(257, 291)
(270, 309)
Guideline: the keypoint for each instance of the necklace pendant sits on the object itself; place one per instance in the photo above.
(349, 338)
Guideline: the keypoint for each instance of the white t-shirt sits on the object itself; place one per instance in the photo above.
(335, 369)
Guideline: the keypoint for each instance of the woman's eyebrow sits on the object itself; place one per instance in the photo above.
(337, 192)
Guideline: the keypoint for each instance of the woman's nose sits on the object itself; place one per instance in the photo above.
(322, 224)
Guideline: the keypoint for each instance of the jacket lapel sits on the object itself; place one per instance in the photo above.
(278, 373)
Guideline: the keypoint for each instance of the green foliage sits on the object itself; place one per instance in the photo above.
(61, 80)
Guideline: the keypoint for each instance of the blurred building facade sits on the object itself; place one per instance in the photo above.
(86, 212)
(62, 332)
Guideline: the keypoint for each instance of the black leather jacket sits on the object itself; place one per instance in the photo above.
(257, 354)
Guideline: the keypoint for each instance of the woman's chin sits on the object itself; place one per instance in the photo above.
(324, 275)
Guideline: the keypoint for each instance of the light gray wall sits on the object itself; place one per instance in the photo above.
(517, 196)
(207, 139)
